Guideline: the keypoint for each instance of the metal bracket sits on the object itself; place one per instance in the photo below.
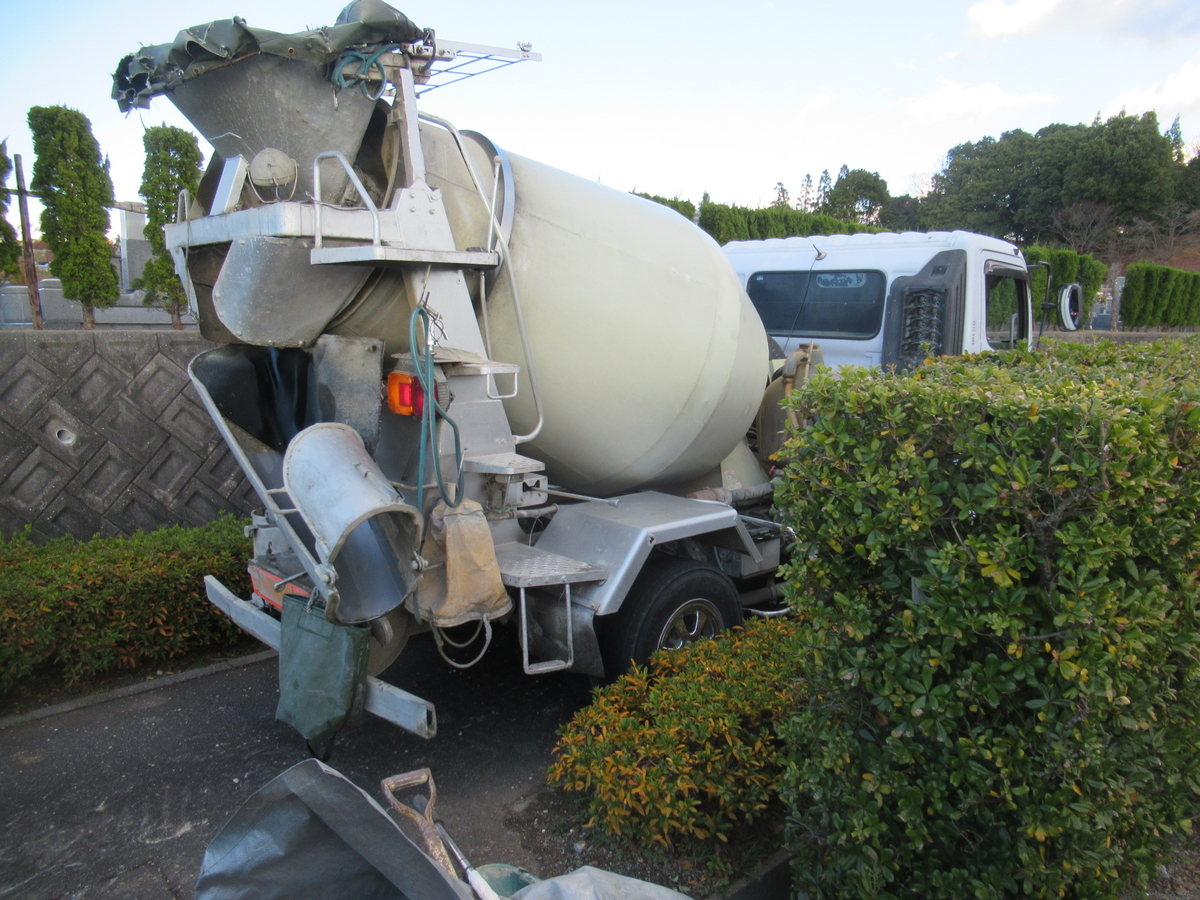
(551, 665)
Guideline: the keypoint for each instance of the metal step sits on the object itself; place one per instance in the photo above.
(503, 464)
(387, 255)
(522, 566)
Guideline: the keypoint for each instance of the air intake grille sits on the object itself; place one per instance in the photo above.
(922, 323)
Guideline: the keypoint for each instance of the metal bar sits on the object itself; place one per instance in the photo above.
(517, 55)
(246, 617)
(410, 712)
(614, 502)
(314, 569)
(358, 186)
(410, 135)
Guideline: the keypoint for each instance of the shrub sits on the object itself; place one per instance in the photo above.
(998, 566)
(89, 606)
(1067, 267)
(1159, 295)
(686, 749)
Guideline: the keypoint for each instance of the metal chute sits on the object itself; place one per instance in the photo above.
(352, 511)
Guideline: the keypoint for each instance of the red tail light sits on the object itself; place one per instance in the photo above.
(404, 394)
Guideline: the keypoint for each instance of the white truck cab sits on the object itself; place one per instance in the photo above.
(888, 299)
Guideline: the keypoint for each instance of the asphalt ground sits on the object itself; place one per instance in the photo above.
(118, 795)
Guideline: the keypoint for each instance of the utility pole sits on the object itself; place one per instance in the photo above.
(28, 263)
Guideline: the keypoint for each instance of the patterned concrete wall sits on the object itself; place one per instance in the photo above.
(101, 433)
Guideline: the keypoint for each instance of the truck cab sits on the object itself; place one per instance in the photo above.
(888, 299)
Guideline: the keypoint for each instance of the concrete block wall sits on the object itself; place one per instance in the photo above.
(102, 433)
(60, 313)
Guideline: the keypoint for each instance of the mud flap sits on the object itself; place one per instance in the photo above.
(322, 671)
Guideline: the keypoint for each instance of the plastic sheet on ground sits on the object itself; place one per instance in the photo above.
(588, 883)
(311, 832)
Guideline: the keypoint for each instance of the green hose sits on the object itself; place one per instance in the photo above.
(366, 62)
(422, 357)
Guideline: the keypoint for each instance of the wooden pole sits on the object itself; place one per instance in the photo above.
(28, 263)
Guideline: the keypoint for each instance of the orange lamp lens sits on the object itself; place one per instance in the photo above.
(404, 394)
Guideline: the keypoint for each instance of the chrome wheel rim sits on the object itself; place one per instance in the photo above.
(693, 621)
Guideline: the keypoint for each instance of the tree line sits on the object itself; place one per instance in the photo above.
(1113, 189)
(71, 178)
(1118, 188)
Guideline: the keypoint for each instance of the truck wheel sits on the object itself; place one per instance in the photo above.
(674, 602)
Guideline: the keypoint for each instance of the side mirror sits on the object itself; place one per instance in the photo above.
(1070, 306)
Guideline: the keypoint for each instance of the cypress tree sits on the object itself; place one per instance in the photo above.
(72, 180)
(172, 164)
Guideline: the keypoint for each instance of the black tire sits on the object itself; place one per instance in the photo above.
(673, 602)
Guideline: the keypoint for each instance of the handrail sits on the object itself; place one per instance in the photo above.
(376, 240)
(512, 280)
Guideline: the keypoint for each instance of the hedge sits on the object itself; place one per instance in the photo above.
(1157, 296)
(997, 561)
(685, 208)
(686, 750)
(1067, 267)
(85, 607)
(739, 223)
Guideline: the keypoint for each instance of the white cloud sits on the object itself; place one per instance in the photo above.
(1159, 21)
(818, 102)
(1178, 93)
(998, 18)
(951, 100)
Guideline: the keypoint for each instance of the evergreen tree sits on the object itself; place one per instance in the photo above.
(781, 196)
(1175, 136)
(824, 188)
(72, 181)
(172, 164)
(804, 202)
(1016, 186)
(858, 196)
(10, 250)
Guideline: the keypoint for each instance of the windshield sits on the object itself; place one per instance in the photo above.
(819, 304)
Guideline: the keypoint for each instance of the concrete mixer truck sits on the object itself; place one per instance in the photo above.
(467, 388)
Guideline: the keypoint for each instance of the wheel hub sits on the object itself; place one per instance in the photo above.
(693, 621)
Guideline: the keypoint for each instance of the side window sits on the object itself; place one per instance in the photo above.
(819, 304)
(1007, 324)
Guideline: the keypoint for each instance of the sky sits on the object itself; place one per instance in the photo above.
(679, 98)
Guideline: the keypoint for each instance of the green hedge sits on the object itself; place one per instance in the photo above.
(685, 208)
(1068, 267)
(85, 607)
(1156, 296)
(739, 223)
(998, 565)
(687, 750)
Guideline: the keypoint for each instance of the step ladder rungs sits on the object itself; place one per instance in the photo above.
(522, 566)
